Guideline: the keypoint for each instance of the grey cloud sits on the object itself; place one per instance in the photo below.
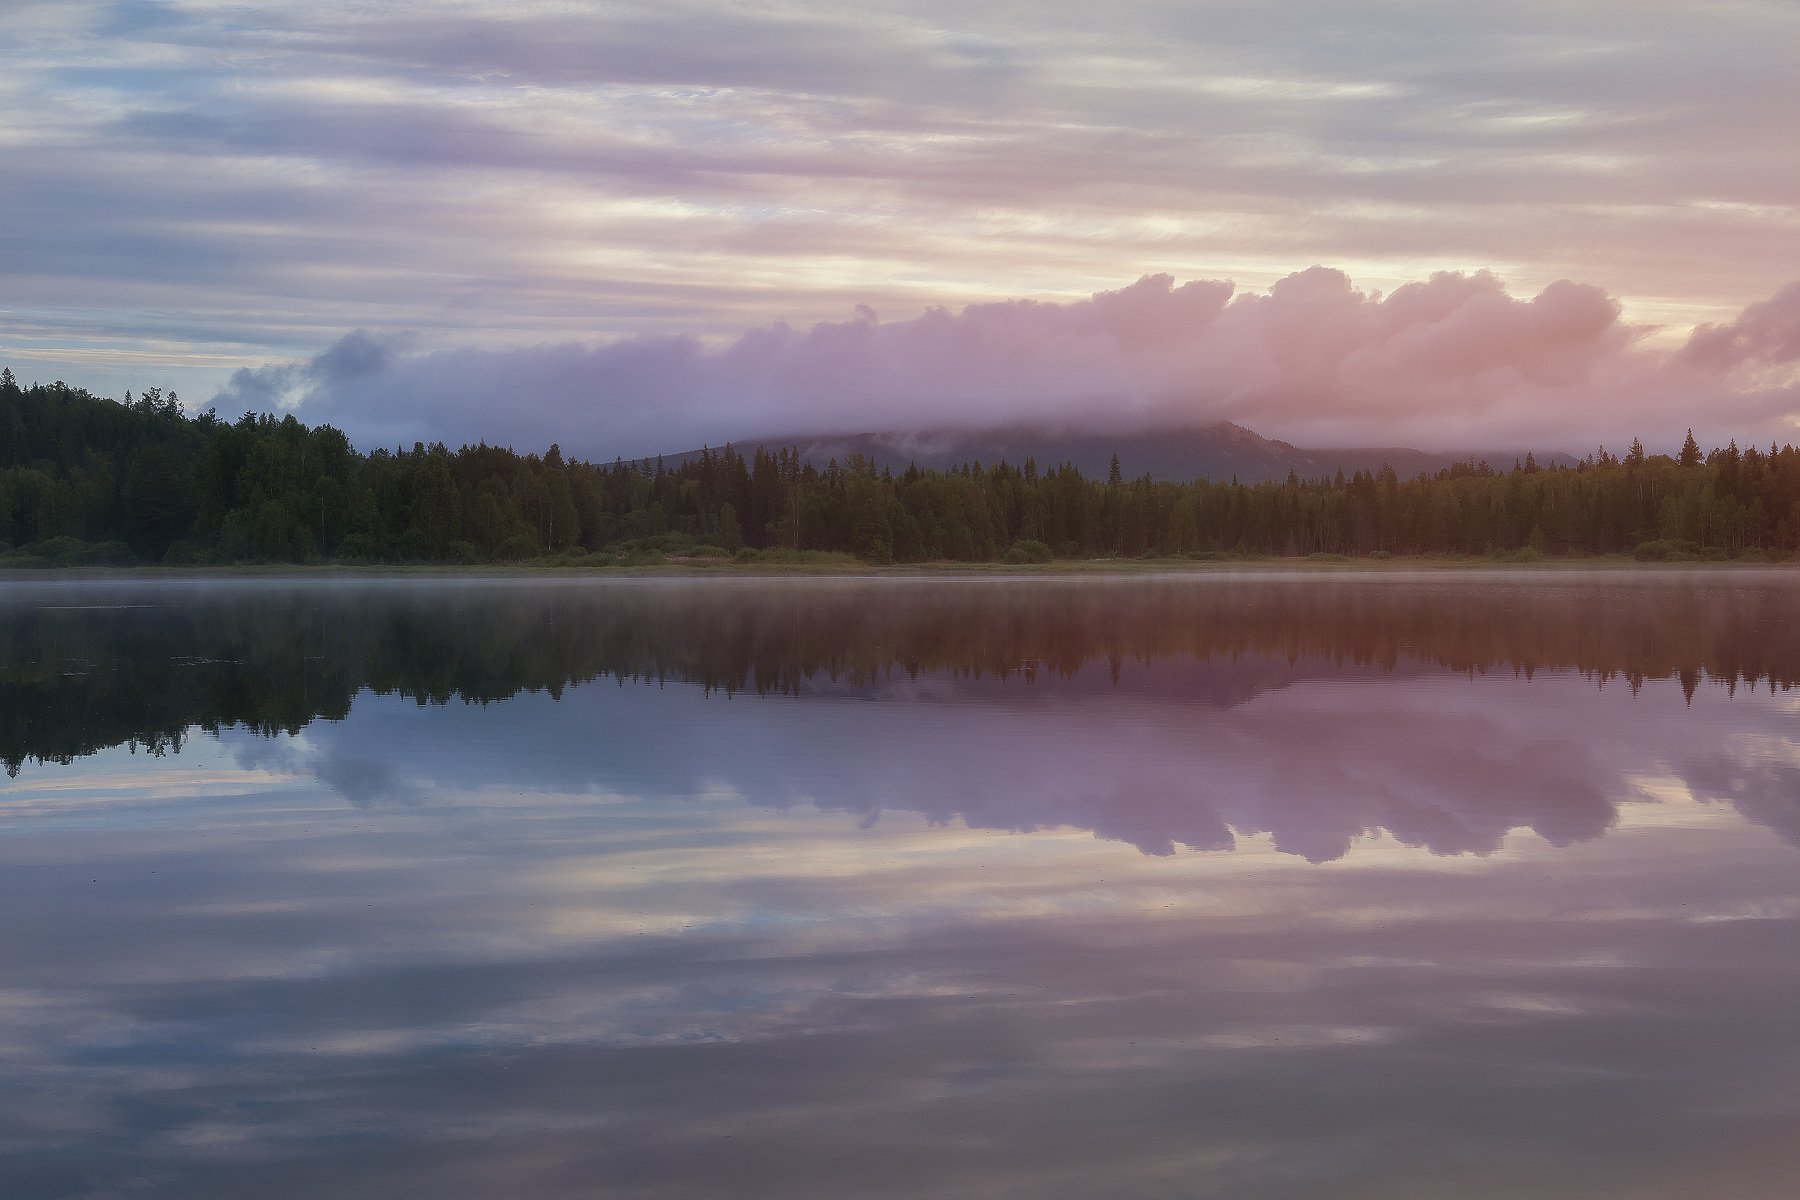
(356, 356)
(129, 18)
(261, 389)
(353, 356)
(800, 51)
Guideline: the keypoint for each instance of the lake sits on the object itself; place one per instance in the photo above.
(1322, 885)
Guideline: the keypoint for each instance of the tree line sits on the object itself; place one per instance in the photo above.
(88, 479)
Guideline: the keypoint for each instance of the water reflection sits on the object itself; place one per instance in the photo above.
(1317, 762)
(1125, 710)
(720, 890)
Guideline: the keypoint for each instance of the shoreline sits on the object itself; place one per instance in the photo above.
(1067, 568)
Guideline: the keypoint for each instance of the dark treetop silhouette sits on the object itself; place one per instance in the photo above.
(87, 480)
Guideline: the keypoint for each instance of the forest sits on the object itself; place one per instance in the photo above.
(87, 480)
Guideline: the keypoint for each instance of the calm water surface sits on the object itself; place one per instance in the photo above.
(1261, 887)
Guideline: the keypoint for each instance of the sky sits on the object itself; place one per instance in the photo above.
(639, 228)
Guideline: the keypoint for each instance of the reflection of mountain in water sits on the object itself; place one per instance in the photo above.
(1180, 756)
(1203, 683)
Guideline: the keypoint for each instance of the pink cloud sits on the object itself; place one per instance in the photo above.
(1451, 361)
(1764, 335)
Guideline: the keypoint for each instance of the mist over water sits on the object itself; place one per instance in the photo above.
(1253, 885)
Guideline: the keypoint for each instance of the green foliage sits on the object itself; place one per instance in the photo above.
(781, 556)
(186, 554)
(1028, 550)
(1668, 550)
(65, 551)
(193, 490)
(731, 535)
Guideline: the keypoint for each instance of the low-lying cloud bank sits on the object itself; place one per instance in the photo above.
(1450, 362)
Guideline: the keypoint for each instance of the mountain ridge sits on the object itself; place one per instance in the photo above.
(1222, 451)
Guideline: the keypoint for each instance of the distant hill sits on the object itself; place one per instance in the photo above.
(1222, 452)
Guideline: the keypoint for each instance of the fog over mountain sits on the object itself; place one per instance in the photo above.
(1451, 362)
(1220, 452)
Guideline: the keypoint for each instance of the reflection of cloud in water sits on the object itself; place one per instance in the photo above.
(1316, 761)
(664, 996)
(1565, 1034)
(365, 780)
(1758, 776)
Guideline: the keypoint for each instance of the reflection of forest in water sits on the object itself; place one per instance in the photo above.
(1044, 703)
(84, 667)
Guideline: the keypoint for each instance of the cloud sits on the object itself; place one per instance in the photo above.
(355, 356)
(194, 189)
(1447, 362)
(1765, 335)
